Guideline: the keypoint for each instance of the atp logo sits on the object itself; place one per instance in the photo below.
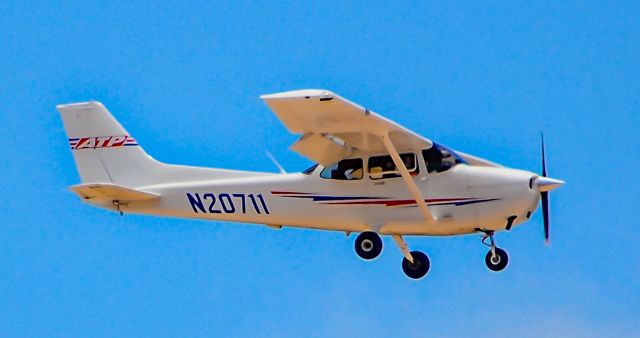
(102, 142)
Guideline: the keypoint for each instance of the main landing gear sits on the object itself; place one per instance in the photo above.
(419, 267)
(368, 245)
(415, 264)
(496, 259)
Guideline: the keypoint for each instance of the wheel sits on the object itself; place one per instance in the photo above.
(497, 262)
(368, 245)
(418, 268)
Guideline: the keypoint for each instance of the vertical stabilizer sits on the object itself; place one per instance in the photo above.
(103, 150)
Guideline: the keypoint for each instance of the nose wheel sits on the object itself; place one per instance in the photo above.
(368, 245)
(496, 259)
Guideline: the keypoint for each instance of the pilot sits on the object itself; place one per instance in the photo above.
(353, 174)
(409, 162)
(433, 157)
(348, 170)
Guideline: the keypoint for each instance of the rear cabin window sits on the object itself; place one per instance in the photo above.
(346, 170)
(383, 166)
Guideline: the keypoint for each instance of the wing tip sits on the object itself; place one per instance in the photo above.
(296, 94)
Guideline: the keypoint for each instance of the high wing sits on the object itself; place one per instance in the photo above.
(333, 127)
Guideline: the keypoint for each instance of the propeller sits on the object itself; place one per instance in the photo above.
(544, 195)
(546, 184)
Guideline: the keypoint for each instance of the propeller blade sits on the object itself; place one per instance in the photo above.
(546, 184)
(544, 162)
(545, 214)
(544, 195)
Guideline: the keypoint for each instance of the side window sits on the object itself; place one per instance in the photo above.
(439, 159)
(349, 169)
(384, 167)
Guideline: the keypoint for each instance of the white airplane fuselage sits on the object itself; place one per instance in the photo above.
(380, 179)
(462, 200)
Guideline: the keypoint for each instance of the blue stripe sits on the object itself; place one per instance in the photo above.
(466, 202)
(457, 204)
(476, 201)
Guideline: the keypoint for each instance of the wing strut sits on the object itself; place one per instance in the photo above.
(404, 172)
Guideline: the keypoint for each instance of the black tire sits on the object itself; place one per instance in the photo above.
(501, 261)
(368, 245)
(419, 267)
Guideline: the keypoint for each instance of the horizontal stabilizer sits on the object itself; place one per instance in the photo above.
(111, 192)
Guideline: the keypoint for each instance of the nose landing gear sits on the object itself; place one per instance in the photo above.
(496, 259)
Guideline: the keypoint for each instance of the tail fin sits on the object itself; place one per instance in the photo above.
(103, 150)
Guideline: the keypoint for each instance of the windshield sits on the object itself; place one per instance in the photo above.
(310, 170)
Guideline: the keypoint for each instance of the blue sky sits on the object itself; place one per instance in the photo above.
(184, 79)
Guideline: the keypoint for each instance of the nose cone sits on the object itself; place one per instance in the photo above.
(548, 183)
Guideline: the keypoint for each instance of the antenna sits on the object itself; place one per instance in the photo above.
(273, 159)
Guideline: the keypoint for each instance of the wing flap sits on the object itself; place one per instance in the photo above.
(321, 149)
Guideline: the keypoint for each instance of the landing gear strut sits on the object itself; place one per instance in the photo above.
(368, 245)
(415, 264)
(496, 259)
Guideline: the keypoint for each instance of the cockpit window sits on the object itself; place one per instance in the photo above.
(439, 159)
(384, 167)
(349, 169)
(310, 170)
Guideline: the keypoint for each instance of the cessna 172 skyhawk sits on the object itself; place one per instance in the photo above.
(373, 177)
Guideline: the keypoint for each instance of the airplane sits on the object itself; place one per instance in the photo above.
(372, 176)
